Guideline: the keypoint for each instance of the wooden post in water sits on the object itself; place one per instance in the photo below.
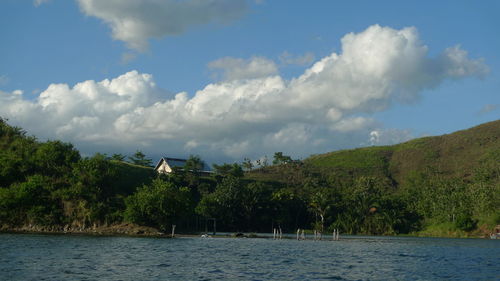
(303, 236)
(298, 234)
(281, 233)
(336, 235)
(274, 233)
(173, 230)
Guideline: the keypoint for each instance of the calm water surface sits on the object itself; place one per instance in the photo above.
(60, 257)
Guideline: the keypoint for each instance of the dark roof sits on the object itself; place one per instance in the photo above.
(178, 163)
(173, 162)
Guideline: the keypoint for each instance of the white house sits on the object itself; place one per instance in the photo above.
(166, 165)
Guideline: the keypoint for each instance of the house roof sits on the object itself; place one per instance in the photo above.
(177, 163)
(172, 162)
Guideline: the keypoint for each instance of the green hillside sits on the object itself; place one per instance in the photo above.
(130, 176)
(457, 154)
(49, 185)
(444, 181)
(437, 186)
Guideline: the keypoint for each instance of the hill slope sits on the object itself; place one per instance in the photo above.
(446, 185)
(459, 154)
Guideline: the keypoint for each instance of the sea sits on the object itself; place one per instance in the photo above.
(80, 257)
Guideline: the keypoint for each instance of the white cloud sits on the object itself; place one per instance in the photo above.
(352, 124)
(389, 136)
(229, 68)
(235, 149)
(292, 134)
(135, 22)
(378, 66)
(288, 58)
(457, 65)
(254, 111)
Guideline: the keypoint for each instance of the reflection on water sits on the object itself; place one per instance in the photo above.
(57, 257)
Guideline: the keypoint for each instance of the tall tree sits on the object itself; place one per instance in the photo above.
(194, 164)
(225, 169)
(159, 204)
(192, 168)
(118, 157)
(139, 158)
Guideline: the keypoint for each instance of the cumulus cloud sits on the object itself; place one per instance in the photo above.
(135, 22)
(378, 66)
(87, 111)
(229, 68)
(454, 60)
(253, 111)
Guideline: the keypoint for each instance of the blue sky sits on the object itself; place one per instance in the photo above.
(227, 79)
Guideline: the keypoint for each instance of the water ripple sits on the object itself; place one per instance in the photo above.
(46, 257)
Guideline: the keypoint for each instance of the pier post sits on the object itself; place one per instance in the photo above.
(173, 230)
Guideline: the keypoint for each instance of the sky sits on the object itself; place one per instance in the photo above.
(234, 79)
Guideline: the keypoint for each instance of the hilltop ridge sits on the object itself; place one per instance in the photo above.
(456, 154)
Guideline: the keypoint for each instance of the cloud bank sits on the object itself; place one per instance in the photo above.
(253, 111)
(135, 22)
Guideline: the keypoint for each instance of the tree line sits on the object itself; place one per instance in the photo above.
(51, 184)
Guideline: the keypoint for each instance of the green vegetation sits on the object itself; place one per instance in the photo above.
(433, 186)
(440, 186)
(159, 204)
(49, 184)
(138, 158)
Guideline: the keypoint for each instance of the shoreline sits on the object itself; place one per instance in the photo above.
(124, 229)
(149, 232)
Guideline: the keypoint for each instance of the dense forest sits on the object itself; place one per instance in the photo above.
(447, 185)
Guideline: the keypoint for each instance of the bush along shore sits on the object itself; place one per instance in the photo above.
(123, 229)
(436, 186)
